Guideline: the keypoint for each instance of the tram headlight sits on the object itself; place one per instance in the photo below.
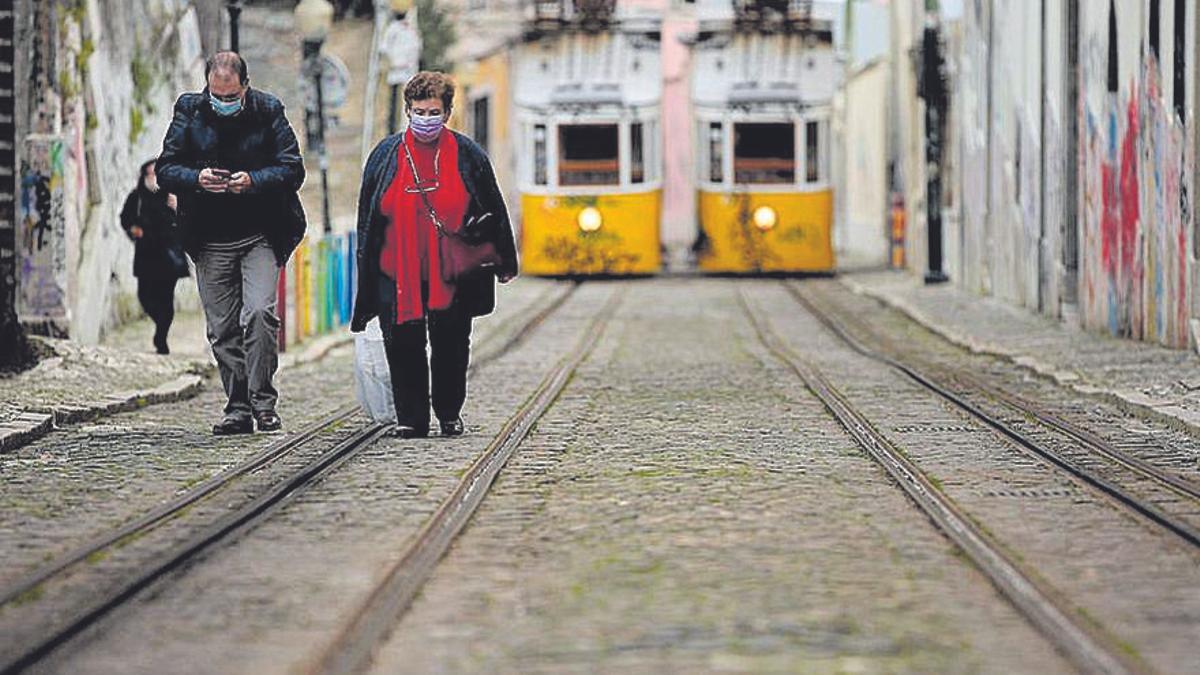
(765, 218)
(590, 219)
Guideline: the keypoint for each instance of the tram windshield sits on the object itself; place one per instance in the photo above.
(764, 153)
(588, 155)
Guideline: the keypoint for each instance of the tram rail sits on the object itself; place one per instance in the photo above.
(355, 645)
(236, 522)
(1155, 487)
(1089, 648)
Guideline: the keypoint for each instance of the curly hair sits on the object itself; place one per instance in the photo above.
(430, 84)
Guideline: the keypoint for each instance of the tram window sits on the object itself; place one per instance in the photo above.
(812, 142)
(764, 153)
(637, 150)
(539, 154)
(587, 155)
(716, 154)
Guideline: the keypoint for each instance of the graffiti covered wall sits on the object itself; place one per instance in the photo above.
(1076, 122)
(1136, 212)
(95, 84)
(42, 234)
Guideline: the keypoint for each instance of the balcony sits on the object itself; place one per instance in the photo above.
(792, 15)
(544, 16)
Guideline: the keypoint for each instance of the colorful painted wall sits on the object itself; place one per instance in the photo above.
(1137, 170)
(1075, 170)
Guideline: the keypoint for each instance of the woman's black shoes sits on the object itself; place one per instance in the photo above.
(405, 431)
(268, 421)
(453, 427)
(233, 425)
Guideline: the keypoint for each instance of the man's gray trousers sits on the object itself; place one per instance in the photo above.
(238, 291)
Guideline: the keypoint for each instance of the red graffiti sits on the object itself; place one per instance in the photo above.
(1130, 204)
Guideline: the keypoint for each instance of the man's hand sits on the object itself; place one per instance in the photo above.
(239, 182)
(136, 231)
(172, 202)
(211, 181)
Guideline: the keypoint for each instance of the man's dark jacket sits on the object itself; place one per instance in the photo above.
(269, 153)
(476, 296)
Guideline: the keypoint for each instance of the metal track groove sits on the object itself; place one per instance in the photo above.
(1183, 530)
(234, 523)
(1044, 607)
(354, 648)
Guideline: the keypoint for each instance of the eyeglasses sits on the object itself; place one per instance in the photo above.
(227, 98)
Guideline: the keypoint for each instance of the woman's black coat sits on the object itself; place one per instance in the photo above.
(477, 296)
(157, 254)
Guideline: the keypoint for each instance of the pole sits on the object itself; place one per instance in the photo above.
(392, 107)
(324, 157)
(13, 349)
(235, 11)
(934, 93)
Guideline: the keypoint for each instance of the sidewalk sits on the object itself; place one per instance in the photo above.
(80, 382)
(1143, 378)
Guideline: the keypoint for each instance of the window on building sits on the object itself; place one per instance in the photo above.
(539, 155)
(637, 154)
(588, 154)
(716, 153)
(481, 121)
(764, 153)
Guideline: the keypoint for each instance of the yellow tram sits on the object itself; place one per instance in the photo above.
(587, 97)
(762, 88)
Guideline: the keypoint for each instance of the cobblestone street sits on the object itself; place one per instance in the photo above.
(687, 503)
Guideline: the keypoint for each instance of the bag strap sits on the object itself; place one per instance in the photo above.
(437, 222)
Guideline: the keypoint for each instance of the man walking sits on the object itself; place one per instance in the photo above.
(232, 158)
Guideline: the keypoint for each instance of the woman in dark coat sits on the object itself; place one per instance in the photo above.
(148, 217)
(399, 273)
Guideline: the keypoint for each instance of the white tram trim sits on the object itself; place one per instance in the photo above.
(727, 119)
(540, 152)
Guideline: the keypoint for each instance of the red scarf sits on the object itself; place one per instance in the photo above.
(410, 245)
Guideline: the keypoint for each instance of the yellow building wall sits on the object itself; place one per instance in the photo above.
(801, 240)
(627, 243)
(489, 76)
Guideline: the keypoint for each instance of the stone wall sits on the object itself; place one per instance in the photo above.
(96, 83)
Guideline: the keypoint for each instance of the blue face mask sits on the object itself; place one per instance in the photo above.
(225, 108)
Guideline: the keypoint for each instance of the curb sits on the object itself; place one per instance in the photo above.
(27, 427)
(37, 422)
(1131, 401)
(317, 350)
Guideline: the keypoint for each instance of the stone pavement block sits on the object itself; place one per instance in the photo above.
(1143, 378)
(25, 428)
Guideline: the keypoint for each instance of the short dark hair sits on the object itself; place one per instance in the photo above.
(146, 166)
(430, 84)
(230, 61)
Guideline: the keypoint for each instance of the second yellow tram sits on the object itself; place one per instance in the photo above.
(761, 102)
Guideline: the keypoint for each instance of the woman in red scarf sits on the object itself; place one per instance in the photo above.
(427, 168)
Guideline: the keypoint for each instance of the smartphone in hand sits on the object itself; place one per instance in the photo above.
(223, 174)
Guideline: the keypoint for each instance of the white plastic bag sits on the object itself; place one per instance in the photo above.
(372, 379)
